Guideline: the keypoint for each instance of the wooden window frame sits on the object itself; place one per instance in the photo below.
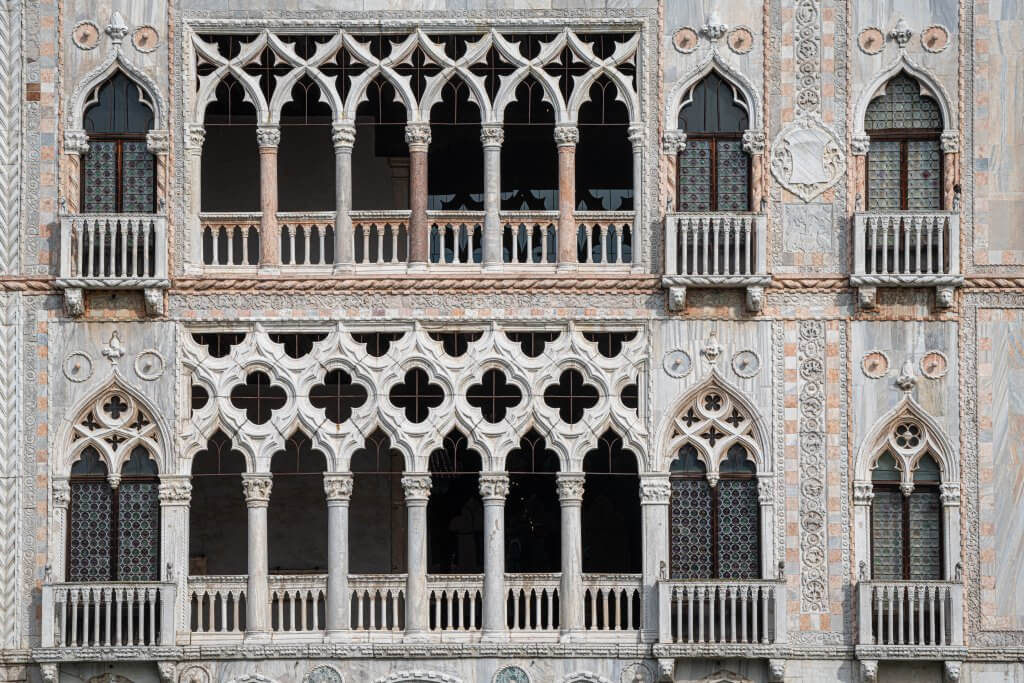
(904, 136)
(713, 138)
(895, 486)
(120, 139)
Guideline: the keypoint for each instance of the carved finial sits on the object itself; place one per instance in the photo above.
(117, 29)
(782, 570)
(863, 572)
(712, 350)
(114, 349)
(47, 574)
(907, 380)
(714, 28)
(901, 33)
(958, 573)
(663, 571)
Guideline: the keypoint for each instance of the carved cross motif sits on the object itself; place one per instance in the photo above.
(114, 350)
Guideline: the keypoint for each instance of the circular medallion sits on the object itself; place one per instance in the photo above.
(149, 365)
(86, 35)
(935, 38)
(871, 40)
(323, 674)
(874, 364)
(677, 363)
(194, 674)
(934, 364)
(511, 674)
(636, 673)
(145, 39)
(685, 40)
(77, 367)
(740, 40)
(746, 363)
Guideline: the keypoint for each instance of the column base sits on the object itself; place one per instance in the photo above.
(339, 634)
(494, 267)
(256, 636)
(572, 636)
(343, 268)
(269, 270)
(416, 637)
(494, 637)
(567, 267)
(417, 267)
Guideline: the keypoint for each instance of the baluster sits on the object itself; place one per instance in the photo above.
(918, 220)
(763, 616)
(128, 596)
(885, 247)
(145, 234)
(80, 263)
(723, 606)
(683, 228)
(932, 593)
(322, 234)
(691, 596)
(748, 224)
(943, 596)
(704, 228)
(871, 224)
(716, 224)
(907, 228)
(606, 608)
(119, 228)
(366, 243)
(921, 601)
(731, 593)
(900, 594)
(97, 605)
(74, 617)
(701, 593)
(108, 599)
(92, 229)
(941, 230)
(153, 595)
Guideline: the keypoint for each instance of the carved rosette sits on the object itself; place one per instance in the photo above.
(61, 493)
(417, 136)
(655, 490)
(754, 142)
(416, 488)
(158, 141)
(494, 487)
(570, 487)
(567, 135)
(177, 491)
(195, 136)
(76, 142)
(256, 488)
(343, 135)
(338, 487)
(673, 142)
(268, 136)
(492, 135)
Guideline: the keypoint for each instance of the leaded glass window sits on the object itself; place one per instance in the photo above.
(904, 168)
(91, 520)
(713, 168)
(118, 171)
(906, 523)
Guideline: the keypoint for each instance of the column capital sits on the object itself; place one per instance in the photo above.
(950, 141)
(256, 487)
(655, 489)
(493, 486)
(766, 490)
(175, 489)
(673, 142)
(61, 493)
(268, 136)
(859, 145)
(637, 133)
(492, 135)
(338, 486)
(949, 494)
(567, 135)
(753, 142)
(417, 487)
(863, 493)
(195, 136)
(343, 135)
(417, 136)
(76, 142)
(570, 487)
(158, 141)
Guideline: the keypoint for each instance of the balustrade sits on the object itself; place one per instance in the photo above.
(231, 239)
(380, 237)
(911, 613)
(612, 603)
(378, 602)
(532, 602)
(113, 247)
(217, 604)
(456, 602)
(529, 238)
(456, 239)
(720, 247)
(722, 611)
(306, 239)
(604, 237)
(116, 614)
(297, 603)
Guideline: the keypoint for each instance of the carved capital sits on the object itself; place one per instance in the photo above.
(906, 487)
(753, 142)
(567, 135)
(766, 491)
(949, 494)
(712, 479)
(637, 135)
(114, 479)
(863, 493)
(338, 486)
(268, 136)
(860, 145)
(195, 136)
(417, 136)
(343, 135)
(492, 135)
(76, 142)
(416, 487)
(256, 487)
(61, 493)
(158, 141)
(175, 490)
(673, 142)
(655, 490)
(950, 141)
(570, 487)
(493, 486)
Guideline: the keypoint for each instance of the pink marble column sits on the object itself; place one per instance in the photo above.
(753, 144)
(950, 148)
(417, 136)
(566, 137)
(268, 138)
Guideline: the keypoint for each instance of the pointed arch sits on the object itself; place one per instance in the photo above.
(742, 85)
(930, 86)
(933, 440)
(115, 61)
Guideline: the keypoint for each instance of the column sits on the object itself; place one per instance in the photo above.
(753, 144)
(950, 141)
(417, 493)
(566, 137)
(76, 145)
(863, 494)
(338, 489)
(417, 136)
(672, 143)
(859, 146)
(60, 530)
(195, 135)
(158, 143)
(570, 593)
(766, 500)
(175, 492)
(344, 138)
(655, 492)
(493, 491)
(636, 138)
(492, 136)
(268, 138)
(256, 488)
(949, 495)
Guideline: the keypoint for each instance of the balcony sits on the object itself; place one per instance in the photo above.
(906, 249)
(721, 618)
(113, 251)
(528, 242)
(910, 620)
(715, 250)
(109, 620)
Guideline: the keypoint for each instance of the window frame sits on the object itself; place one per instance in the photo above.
(932, 486)
(119, 139)
(904, 136)
(713, 138)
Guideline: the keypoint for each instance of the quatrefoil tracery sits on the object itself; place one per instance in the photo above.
(114, 424)
(713, 422)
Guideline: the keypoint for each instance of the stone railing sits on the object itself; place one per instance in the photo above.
(297, 603)
(529, 238)
(604, 238)
(715, 250)
(113, 251)
(378, 602)
(532, 602)
(307, 239)
(108, 615)
(736, 612)
(612, 602)
(456, 239)
(216, 605)
(230, 240)
(906, 249)
(380, 239)
(909, 614)
(455, 602)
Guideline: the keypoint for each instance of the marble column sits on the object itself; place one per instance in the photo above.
(949, 495)
(493, 491)
(859, 146)
(950, 148)
(863, 494)
(158, 142)
(417, 493)
(672, 143)
(256, 487)
(636, 139)
(268, 138)
(417, 136)
(338, 489)
(766, 501)
(492, 136)
(566, 137)
(570, 592)
(175, 492)
(59, 530)
(655, 492)
(76, 145)
(344, 138)
(753, 144)
(195, 135)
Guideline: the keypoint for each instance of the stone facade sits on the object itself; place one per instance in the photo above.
(824, 358)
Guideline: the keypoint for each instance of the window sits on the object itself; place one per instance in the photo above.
(904, 166)
(118, 171)
(906, 523)
(714, 530)
(713, 169)
(114, 534)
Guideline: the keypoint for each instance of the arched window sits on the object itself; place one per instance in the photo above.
(714, 530)
(297, 518)
(118, 171)
(532, 514)
(217, 515)
(904, 167)
(713, 169)
(114, 533)
(377, 511)
(455, 511)
(906, 521)
(610, 517)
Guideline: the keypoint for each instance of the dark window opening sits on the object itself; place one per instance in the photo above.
(297, 516)
(380, 152)
(456, 159)
(338, 396)
(630, 397)
(230, 174)
(297, 344)
(532, 511)
(198, 397)
(305, 157)
(455, 543)
(218, 343)
(612, 534)
(218, 528)
(571, 396)
(456, 343)
(604, 154)
(377, 513)
(609, 344)
(533, 343)
(377, 343)
(416, 395)
(494, 396)
(258, 397)
(529, 157)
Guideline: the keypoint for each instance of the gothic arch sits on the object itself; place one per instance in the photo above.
(715, 62)
(933, 440)
(930, 86)
(303, 67)
(207, 91)
(116, 61)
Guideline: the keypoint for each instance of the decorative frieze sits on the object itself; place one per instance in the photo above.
(813, 509)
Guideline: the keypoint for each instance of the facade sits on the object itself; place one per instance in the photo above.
(511, 342)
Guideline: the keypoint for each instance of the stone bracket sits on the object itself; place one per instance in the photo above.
(677, 298)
